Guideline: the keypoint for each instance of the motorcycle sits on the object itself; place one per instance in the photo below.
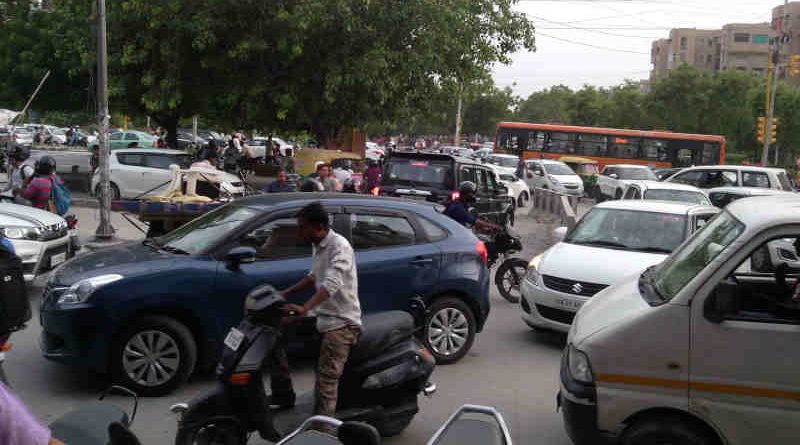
(500, 247)
(386, 371)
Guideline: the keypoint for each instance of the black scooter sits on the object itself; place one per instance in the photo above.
(385, 373)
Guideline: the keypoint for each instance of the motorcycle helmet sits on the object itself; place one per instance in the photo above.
(264, 304)
(46, 165)
(467, 188)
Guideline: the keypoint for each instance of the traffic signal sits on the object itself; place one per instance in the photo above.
(761, 127)
(773, 133)
(794, 65)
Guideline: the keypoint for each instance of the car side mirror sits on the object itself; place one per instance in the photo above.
(722, 302)
(560, 233)
(501, 190)
(539, 173)
(530, 175)
(613, 176)
(240, 255)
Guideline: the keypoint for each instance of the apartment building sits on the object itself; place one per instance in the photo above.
(745, 47)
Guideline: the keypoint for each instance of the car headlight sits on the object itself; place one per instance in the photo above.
(578, 365)
(29, 233)
(82, 290)
(532, 274)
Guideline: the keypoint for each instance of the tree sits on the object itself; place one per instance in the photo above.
(589, 107)
(551, 105)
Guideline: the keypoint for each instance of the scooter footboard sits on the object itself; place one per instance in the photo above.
(473, 424)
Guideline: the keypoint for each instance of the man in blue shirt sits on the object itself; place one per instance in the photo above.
(458, 209)
(280, 185)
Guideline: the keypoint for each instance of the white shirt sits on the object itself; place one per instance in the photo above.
(333, 267)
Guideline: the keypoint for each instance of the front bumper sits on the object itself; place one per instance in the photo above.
(71, 334)
(578, 404)
(547, 309)
(42, 256)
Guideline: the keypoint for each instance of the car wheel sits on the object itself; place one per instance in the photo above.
(508, 279)
(666, 429)
(153, 356)
(598, 194)
(618, 195)
(449, 330)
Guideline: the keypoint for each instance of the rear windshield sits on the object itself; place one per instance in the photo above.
(411, 172)
(677, 195)
(637, 174)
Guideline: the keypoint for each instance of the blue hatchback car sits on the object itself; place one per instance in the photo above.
(151, 312)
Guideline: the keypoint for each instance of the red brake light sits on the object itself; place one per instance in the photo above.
(240, 379)
(375, 191)
(480, 248)
(455, 196)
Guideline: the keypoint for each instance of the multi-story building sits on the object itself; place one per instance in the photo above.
(745, 47)
(695, 47)
(791, 48)
(659, 58)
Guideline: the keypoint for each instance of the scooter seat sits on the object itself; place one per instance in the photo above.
(88, 425)
(379, 332)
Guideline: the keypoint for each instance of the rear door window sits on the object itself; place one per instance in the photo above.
(131, 159)
(413, 172)
(159, 161)
(693, 177)
(755, 179)
(719, 178)
(371, 231)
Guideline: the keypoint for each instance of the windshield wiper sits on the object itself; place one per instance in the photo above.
(654, 249)
(603, 244)
(151, 242)
(175, 250)
(647, 286)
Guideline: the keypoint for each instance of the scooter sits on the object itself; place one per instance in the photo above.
(386, 371)
(98, 423)
(500, 247)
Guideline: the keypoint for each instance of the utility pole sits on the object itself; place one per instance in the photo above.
(457, 141)
(104, 231)
(774, 61)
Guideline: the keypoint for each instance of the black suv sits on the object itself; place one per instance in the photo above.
(436, 177)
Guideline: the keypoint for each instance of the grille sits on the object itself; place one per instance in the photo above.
(558, 315)
(572, 287)
(54, 231)
(572, 186)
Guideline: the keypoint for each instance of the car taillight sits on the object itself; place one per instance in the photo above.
(455, 196)
(72, 223)
(240, 379)
(480, 248)
(375, 191)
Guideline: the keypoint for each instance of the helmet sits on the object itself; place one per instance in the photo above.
(467, 187)
(264, 304)
(19, 153)
(46, 165)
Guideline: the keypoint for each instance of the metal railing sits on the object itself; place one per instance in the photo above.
(562, 206)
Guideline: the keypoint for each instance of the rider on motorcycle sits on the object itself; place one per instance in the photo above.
(458, 209)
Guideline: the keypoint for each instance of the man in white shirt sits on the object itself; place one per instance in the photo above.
(335, 303)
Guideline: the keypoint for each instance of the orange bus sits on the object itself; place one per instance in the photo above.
(658, 149)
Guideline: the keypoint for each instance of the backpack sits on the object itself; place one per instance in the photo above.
(60, 198)
(15, 309)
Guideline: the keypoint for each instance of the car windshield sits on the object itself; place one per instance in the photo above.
(686, 263)
(503, 161)
(677, 195)
(411, 172)
(630, 230)
(637, 174)
(195, 236)
(558, 169)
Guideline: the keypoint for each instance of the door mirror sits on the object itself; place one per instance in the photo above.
(530, 175)
(240, 255)
(613, 176)
(501, 190)
(722, 302)
(539, 172)
(560, 233)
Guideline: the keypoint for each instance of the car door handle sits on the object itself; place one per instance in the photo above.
(421, 261)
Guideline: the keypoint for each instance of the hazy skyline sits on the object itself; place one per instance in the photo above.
(626, 26)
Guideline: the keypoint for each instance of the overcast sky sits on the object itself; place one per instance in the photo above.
(628, 26)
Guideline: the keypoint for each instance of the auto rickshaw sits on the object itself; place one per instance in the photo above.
(586, 168)
(306, 160)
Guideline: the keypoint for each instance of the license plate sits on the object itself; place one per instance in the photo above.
(569, 304)
(234, 339)
(57, 259)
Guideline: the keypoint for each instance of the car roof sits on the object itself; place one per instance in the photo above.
(434, 156)
(646, 205)
(161, 151)
(274, 199)
(750, 191)
(734, 167)
(658, 185)
(761, 212)
(628, 166)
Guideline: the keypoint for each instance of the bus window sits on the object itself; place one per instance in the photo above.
(592, 144)
(710, 153)
(561, 143)
(624, 147)
(655, 150)
(536, 141)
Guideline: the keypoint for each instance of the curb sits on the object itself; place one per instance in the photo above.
(85, 202)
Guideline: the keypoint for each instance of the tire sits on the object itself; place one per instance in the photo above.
(177, 355)
(665, 429)
(618, 195)
(222, 433)
(508, 275)
(394, 425)
(598, 194)
(453, 313)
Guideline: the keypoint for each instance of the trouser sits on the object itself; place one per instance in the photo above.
(334, 351)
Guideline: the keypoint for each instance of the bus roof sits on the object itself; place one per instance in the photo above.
(612, 131)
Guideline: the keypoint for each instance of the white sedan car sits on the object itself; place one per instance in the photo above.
(666, 191)
(610, 243)
(40, 238)
(517, 188)
(139, 172)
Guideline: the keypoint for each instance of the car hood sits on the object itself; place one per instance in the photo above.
(24, 216)
(130, 259)
(608, 308)
(594, 264)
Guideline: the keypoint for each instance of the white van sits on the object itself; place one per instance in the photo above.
(701, 349)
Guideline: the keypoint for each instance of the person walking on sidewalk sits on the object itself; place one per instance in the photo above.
(40, 189)
(335, 304)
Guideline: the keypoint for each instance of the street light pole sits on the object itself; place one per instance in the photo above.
(104, 230)
(776, 65)
(457, 141)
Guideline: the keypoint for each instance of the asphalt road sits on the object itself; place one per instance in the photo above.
(510, 367)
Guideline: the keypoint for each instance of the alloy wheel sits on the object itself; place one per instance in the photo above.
(448, 331)
(511, 279)
(151, 358)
